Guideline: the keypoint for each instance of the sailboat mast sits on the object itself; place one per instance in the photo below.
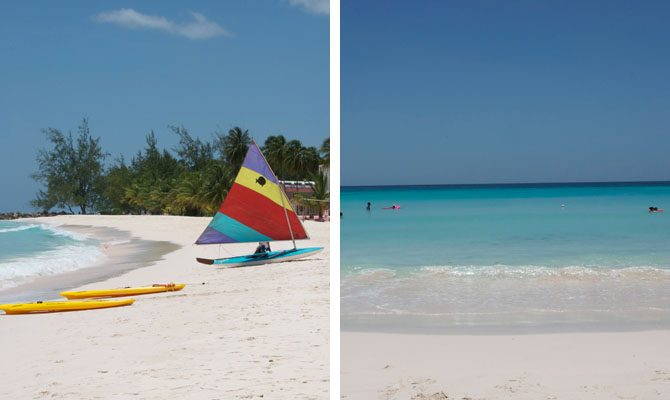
(281, 195)
(286, 213)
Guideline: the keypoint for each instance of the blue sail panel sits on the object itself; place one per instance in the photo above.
(223, 229)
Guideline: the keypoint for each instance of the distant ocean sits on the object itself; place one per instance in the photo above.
(488, 257)
(30, 250)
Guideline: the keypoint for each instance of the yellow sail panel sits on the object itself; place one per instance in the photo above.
(257, 182)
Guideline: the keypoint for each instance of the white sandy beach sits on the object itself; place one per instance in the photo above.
(248, 333)
(617, 365)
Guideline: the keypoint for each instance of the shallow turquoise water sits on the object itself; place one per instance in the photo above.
(29, 250)
(542, 255)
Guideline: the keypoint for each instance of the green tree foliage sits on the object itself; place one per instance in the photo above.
(193, 153)
(233, 147)
(154, 175)
(71, 172)
(190, 180)
(324, 152)
(276, 152)
(119, 176)
(321, 191)
(310, 161)
(290, 159)
(216, 182)
(296, 160)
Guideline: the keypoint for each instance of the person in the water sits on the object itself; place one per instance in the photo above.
(368, 207)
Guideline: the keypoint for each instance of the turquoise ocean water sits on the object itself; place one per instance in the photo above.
(555, 256)
(29, 251)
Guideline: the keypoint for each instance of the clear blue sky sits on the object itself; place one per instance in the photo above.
(452, 92)
(135, 66)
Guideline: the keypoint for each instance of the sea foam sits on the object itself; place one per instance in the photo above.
(50, 251)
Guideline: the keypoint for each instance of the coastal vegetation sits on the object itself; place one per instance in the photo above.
(71, 173)
(320, 196)
(192, 179)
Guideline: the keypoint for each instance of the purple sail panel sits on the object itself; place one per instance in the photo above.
(255, 162)
(212, 236)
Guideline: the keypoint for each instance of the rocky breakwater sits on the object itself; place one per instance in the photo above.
(17, 215)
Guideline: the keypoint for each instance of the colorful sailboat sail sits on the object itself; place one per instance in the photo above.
(256, 208)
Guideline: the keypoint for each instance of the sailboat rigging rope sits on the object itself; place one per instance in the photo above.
(281, 194)
(225, 250)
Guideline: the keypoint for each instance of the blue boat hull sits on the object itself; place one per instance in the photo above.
(264, 258)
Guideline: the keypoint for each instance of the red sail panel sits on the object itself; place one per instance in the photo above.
(261, 214)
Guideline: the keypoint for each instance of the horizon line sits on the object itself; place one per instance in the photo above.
(518, 184)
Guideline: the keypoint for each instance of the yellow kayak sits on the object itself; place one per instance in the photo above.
(56, 306)
(129, 291)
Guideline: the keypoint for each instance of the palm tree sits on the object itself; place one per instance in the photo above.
(234, 146)
(172, 206)
(143, 195)
(218, 179)
(162, 195)
(325, 152)
(133, 195)
(294, 158)
(300, 199)
(312, 160)
(188, 192)
(303, 161)
(321, 192)
(276, 151)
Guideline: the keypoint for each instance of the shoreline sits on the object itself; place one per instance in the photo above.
(247, 333)
(122, 253)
